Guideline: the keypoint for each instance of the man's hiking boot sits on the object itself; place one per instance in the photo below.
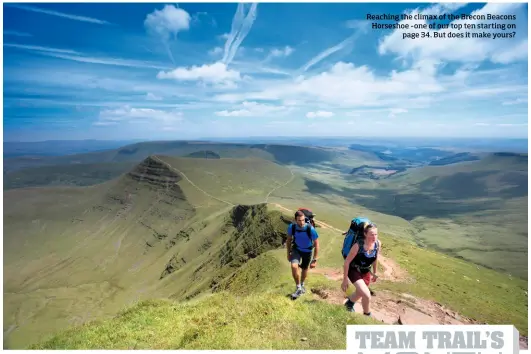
(297, 293)
(349, 305)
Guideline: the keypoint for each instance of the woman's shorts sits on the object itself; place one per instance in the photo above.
(354, 275)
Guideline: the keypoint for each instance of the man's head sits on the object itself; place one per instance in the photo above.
(300, 218)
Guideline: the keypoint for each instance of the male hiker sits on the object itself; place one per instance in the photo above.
(302, 240)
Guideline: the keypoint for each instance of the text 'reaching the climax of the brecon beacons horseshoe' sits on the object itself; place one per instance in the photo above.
(446, 26)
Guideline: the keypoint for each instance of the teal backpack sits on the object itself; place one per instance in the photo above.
(354, 234)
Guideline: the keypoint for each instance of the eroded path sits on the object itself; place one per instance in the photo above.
(389, 307)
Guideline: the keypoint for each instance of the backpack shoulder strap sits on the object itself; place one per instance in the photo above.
(293, 230)
(309, 233)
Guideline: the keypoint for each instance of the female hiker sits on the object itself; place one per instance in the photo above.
(361, 257)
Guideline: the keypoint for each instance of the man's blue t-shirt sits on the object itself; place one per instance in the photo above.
(301, 238)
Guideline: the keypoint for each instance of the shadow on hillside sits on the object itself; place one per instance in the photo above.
(462, 185)
(299, 155)
(436, 197)
(315, 187)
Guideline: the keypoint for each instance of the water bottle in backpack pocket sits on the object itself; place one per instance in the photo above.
(353, 234)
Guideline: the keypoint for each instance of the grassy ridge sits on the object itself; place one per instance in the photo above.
(67, 175)
(221, 321)
(250, 312)
(93, 250)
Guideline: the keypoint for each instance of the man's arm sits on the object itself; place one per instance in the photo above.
(316, 250)
(288, 241)
(315, 237)
(288, 244)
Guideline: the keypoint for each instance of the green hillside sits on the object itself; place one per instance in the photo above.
(73, 254)
(260, 286)
(458, 209)
(66, 175)
(282, 154)
(195, 232)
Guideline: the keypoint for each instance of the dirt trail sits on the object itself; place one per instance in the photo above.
(388, 307)
(400, 309)
(397, 308)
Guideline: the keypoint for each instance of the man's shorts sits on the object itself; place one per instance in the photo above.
(301, 258)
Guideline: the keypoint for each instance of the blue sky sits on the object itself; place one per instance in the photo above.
(191, 70)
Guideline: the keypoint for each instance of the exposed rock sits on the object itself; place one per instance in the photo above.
(409, 316)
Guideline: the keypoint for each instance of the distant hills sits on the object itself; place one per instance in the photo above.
(87, 235)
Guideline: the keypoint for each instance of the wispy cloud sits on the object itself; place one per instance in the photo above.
(17, 33)
(196, 18)
(277, 53)
(105, 61)
(216, 73)
(166, 23)
(215, 51)
(254, 109)
(129, 114)
(60, 14)
(241, 25)
(152, 97)
(327, 52)
(40, 49)
(516, 101)
(319, 114)
(465, 50)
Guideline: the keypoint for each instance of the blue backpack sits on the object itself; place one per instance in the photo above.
(354, 233)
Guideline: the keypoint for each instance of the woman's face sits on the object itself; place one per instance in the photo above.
(371, 234)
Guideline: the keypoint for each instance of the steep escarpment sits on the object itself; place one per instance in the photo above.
(155, 172)
(255, 231)
(212, 255)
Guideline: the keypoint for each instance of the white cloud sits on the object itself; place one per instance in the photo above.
(215, 51)
(284, 52)
(516, 101)
(40, 48)
(500, 50)
(319, 114)
(151, 97)
(241, 25)
(17, 33)
(168, 21)
(196, 18)
(216, 73)
(396, 111)
(254, 109)
(349, 86)
(327, 52)
(129, 114)
(59, 14)
(224, 36)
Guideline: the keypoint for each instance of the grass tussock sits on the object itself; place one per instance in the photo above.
(221, 321)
